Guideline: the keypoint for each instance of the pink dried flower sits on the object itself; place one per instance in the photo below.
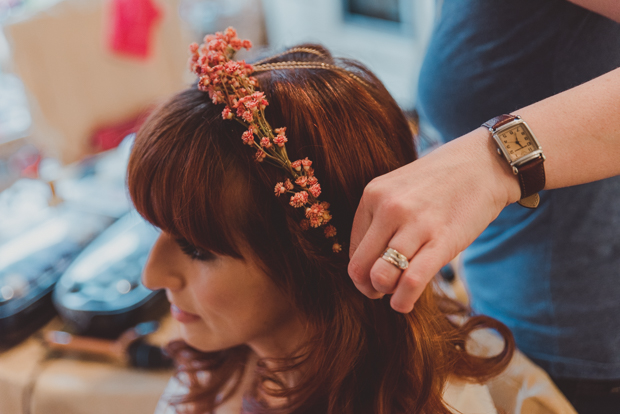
(315, 190)
(247, 44)
(260, 155)
(231, 67)
(230, 32)
(301, 181)
(227, 113)
(280, 140)
(296, 165)
(304, 224)
(325, 205)
(299, 199)
(306, 163)
(316, 222)
(314, 211)
(236, 44)
(330, 231)
(280, 131)
(248, 137)
(193, 48)
(266, 143)
(288, 185)
(312, 181)
(326, 217)
(247, 116)
(280, 189)
(337, 248)
(218, 97)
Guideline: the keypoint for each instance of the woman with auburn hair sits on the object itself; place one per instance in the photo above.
(270, 320)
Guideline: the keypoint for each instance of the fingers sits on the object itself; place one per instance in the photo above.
(368, 251)
(384, 276)
(422, 268)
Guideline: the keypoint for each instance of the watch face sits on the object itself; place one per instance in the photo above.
(518, 141)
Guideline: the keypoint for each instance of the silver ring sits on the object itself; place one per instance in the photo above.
(397, 259)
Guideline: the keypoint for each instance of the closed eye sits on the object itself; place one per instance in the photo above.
(195, 253)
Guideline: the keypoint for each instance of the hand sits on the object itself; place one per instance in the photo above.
(428, 210)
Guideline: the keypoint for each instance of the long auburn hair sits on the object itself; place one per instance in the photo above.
(190, 174)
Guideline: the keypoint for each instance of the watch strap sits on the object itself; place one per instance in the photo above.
(498, 121)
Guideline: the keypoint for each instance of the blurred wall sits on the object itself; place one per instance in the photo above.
(77, 84)
(393, 51)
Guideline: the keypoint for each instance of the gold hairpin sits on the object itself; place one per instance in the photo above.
(305, 65)
(289, 51)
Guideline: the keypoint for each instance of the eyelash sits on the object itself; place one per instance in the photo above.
(195, 253)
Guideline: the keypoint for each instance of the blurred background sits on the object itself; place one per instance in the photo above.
(78, 331)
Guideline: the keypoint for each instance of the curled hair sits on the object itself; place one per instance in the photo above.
(191, 175)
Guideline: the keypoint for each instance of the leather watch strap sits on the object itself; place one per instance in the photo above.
(531, 174)
(498, 121)
(532, 177)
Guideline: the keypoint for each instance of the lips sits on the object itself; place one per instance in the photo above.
(182, 316)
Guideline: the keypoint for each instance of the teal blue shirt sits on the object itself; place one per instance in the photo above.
(551, 274)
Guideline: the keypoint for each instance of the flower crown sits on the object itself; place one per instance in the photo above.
(229, 82)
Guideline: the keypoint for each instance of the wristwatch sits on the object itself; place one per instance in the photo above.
(518, 145)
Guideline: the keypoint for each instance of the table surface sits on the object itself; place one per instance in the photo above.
(32, 382)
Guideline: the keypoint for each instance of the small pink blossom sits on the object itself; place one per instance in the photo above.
(296, 165)
(280, 140)
(280, 131)
(260, 155)
(316, 222)
(315, 190)
(326, 217)
(325, 205)
(299, 199)
(280, 189)
(314, 211)
(247, 44)
(248, 137)
(236, 44)
(247, 116)
(312, 181)
(193, 48)
(306, 163)
(330, 231)
(218, 97)
(288, 185)
(337, 248)
(265, 142)
(226, 113)
(231, 67)
(301, 181)
(230, 32)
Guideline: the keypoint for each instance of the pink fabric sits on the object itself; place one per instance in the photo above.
(132, 23)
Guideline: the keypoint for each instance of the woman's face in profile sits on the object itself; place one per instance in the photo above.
(220, 301)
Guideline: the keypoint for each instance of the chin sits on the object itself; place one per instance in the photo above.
(203, 342)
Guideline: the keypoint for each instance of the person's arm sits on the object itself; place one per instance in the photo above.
(432, 209)
(607, 8)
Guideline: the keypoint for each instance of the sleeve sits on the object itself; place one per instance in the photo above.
(173, 389)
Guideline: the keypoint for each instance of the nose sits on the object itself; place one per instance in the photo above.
(161, 270)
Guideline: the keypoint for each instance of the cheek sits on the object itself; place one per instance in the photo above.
(241, 302)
